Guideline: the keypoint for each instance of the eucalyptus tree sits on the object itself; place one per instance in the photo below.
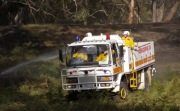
(87, 11)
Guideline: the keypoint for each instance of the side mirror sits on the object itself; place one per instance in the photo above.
(136, 40)
(62, 53)
(121, 51)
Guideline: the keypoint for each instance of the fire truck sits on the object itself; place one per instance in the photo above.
(122, 69)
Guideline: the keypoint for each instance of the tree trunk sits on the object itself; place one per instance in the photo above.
(135, 13)
(131, 12)
(154, 10)
(160, 11)
(19, 17)
(172, 11)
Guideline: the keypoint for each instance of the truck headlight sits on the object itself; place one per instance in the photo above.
(71, 86)
(71, 80)
(105, 84)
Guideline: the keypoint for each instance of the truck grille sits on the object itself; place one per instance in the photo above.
(87, 79)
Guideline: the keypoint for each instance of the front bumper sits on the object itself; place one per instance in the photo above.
(86, 82)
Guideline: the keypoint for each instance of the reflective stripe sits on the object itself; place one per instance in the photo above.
(142, 61)
(117, 70)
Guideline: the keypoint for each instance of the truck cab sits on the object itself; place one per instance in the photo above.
(87, 71)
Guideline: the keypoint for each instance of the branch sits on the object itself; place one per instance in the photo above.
(52, 15)
(28, 4)
(98, 11)
(75, 4)
(37, 10)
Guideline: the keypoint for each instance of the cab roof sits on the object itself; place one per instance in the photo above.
(98, 39)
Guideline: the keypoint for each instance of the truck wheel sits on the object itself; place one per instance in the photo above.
(123, 91)
(122, 94)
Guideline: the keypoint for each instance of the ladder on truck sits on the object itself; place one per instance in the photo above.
(133, 78)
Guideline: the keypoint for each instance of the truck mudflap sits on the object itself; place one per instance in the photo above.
(86, 82)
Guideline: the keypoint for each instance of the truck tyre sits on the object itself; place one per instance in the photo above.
(123, 91)
(122, 94)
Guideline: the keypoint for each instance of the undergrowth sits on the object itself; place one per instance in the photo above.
(164, 95)
(37, 87)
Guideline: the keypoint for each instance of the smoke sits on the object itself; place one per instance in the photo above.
(42, 58)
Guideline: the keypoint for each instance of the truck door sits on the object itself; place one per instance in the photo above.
(117, 67)
(115, 54)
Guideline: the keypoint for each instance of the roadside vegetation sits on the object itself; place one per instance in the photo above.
(31, 79)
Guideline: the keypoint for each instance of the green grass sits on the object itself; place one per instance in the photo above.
(37, 87)
(164, 95)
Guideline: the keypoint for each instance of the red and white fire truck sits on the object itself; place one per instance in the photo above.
(123, 69)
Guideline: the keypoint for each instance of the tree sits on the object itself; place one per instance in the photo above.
(160, 10)
(135, 13)
(172, 11)
(154, 14)
(160, 13)
(131, 12)
(87, 11)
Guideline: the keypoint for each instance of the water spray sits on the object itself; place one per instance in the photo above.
(43, 58)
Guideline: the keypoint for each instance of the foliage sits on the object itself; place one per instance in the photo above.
(37, 86)
(163, 96)
(82, 16)
(77, 11)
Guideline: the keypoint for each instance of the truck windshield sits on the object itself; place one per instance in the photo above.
(88, 55)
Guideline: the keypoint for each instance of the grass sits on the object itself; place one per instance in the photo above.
(34, 87)
(37, 87)
(36, 84)
(164, 95)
